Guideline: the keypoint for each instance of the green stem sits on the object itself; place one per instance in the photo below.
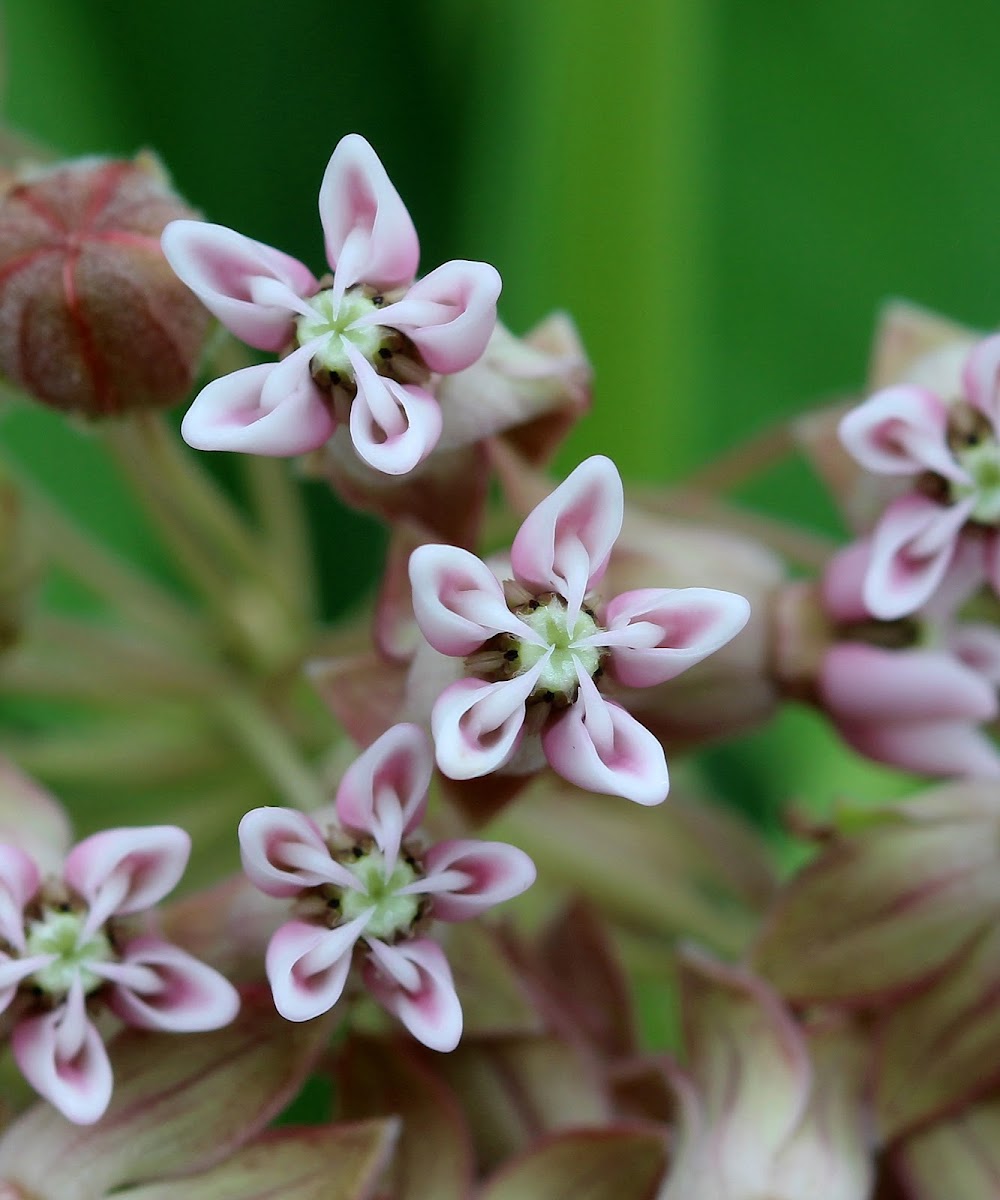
(280, 512)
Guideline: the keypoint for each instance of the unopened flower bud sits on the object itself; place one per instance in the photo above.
(92, 318)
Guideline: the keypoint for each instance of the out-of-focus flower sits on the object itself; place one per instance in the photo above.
(68, 945)
(363, 347)
(535, 641)
(912, 692)
(946, 448)
(527, 391)
(367, 878)
(92, 318)
(188, 1122)
(766, 1107)
(958, 1158)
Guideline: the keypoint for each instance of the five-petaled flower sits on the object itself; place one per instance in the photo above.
(536, 645)
(67, 944)
(363, 347)
(950, 450)
(361, 874)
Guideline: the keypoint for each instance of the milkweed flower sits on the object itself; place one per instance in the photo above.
(363, 346)
(364, 876)
(538, 645)
(945, 451)
(68, 945)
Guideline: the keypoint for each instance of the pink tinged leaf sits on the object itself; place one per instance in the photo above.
(307, 966)
(393, 426)
(656, 633)
(491, 872)
(598, 746)
(448, 315)
(254, 290)
(384, 792)
(368, 232)
(328, 1162)
(458, 602)
(478, 726)
(901, 431)
(274, 409)
(283, 853)
(912, 548)
(948, 749)
(19, 881)
(412, 980)
(981, 376)
(162, 987)
(62, 1056)
(122, 871)
(180, 1105)
(864, 683)
(565, 542)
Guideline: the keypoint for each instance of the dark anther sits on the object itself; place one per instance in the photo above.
(378, 301)
(410, 861)
(532, 604)
(36, 990)
(510, 655)
(335, 377)
(548, 697)
(598, 673)
(589, 612)
(64, 907)
(385, 352)
(333, 902)
(357, 852)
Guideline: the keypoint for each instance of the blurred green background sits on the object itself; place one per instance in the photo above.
(721, 193)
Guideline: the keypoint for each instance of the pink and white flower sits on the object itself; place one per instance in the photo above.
(363, 347)
(538, 645)
(913, 692)
(363, 876)
(69, 944)
(947, 450)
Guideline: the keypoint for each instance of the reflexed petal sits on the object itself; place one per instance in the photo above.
(865, 683)
(19, 880)
(448, 315)
(458, 602)
(912, 549)
(413, 981)
(32, 819)
(978, 646)
(495, 872)
(564, 544)
(477, 726)
(14, 970)
(384, 792)
(62, 1056)
(981, 376)
(123, 871)
(393, 426)
(369, 235)
(308, 965)
(221, 267)
(283, 852)
(901, 431)
(598, 746)
(273, 409)
(189, 997)
(944, 748)
(656, 633)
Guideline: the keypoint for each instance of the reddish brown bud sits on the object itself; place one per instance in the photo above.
(92, 319)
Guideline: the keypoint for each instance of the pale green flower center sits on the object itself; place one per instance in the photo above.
(982, 461)
(338, 330)
(61, 933)
(550, 621)
(392, 914)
